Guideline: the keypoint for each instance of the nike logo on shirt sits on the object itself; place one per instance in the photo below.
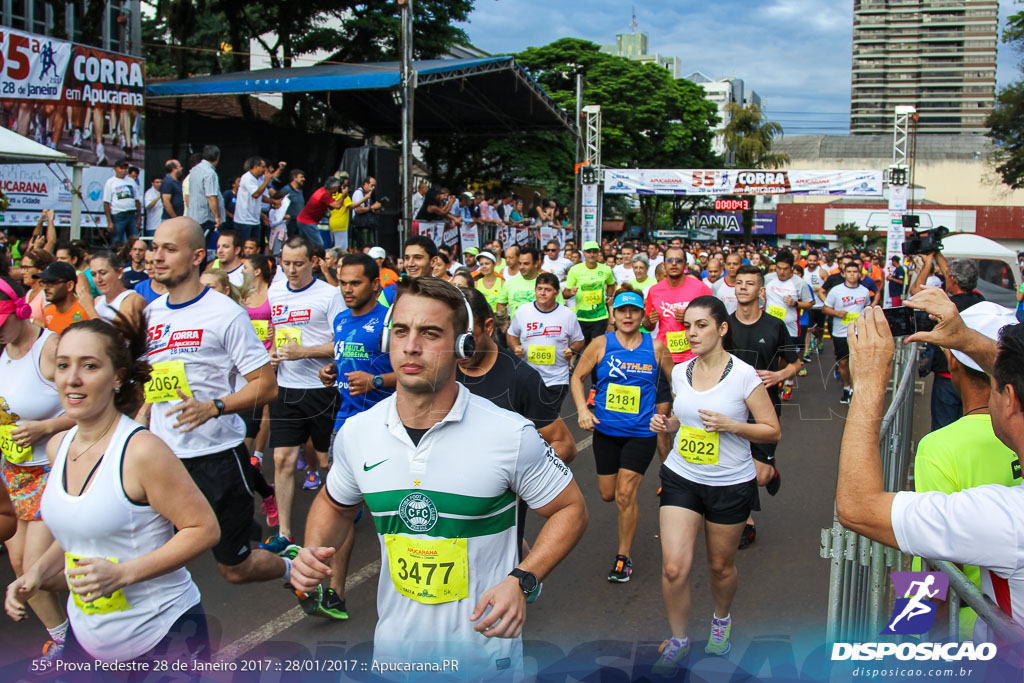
(367, 468)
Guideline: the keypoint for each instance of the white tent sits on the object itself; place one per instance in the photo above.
(16, 149)
(982, 249)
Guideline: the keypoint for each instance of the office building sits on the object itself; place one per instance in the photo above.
(634, 46)
(119, 31)
(936, 55)
(722, 93)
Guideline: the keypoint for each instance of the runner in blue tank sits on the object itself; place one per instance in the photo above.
(363, 376)
(633, 381)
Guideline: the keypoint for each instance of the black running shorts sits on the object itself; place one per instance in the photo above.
(842, 347)
(224, 480)
(300, 414)
(614, 453)
(731, 504)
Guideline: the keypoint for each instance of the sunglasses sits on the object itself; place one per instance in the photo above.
(674, 260)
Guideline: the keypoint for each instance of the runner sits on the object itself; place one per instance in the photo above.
(591, 285)
(519, 289)
(815, 277)
(30, 413)
(762, 341)
(709, 478)
(303, 309)
(106, 272)
(427, 612)
(259, 273)
(628, 363)
(667, 301)
(200, 424)
(724, 289)
(845, 303)
(644, 279)
(547, 334)
(135, 271)
(785, 296)
(150, 289)
(488, 282)
(126, 516)
(229, 256)
(714, 272)
(367, 379)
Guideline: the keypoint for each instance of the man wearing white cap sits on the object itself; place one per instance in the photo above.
(967, 452)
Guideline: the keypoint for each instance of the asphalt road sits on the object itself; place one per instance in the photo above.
(581, 621)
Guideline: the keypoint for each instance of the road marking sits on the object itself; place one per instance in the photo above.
(293, 616)
(286, 620)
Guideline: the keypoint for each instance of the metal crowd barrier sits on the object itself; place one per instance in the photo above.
(860, 596)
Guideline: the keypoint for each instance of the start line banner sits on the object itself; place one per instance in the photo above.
(733, 181)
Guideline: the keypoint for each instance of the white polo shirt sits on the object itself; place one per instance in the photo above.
(461, 482)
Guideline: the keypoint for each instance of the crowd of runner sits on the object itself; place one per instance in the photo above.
(143, 387)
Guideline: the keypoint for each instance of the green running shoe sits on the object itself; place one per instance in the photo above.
(673, 652)
(718, 643)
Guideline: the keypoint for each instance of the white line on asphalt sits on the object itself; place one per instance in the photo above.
(295, 614)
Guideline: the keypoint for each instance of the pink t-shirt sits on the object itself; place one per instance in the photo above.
(666, 301)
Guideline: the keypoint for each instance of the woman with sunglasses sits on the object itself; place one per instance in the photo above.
(30, 413)
(709, 479)
(35, 261)
(629, 389)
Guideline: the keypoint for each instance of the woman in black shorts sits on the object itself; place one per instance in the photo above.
(709, 478)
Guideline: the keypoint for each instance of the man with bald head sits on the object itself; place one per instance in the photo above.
(197, 339)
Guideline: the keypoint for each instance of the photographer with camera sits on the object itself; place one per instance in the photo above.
(365, 219)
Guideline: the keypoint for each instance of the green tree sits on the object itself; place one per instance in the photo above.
(749, 139)
(1006, 122)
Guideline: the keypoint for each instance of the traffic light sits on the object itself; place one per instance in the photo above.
(588, 174)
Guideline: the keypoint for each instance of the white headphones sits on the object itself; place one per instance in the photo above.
(465, 345)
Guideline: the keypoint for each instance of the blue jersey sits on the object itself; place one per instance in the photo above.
(626, 388)
(387, 296)
(357, 349)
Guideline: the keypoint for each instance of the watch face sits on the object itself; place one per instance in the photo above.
(528, 582)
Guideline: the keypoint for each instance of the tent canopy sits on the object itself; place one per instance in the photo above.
(16, 149)
(492, 95)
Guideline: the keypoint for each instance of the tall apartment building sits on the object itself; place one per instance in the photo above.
(723, 92)
(120, 26)
(936, 55)
(634, 46)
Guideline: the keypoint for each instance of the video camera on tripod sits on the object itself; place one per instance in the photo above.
(927, 242)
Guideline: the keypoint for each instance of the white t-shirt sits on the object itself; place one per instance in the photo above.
(120, 193)
(728, 397)
(558, 267)
(776, 291)
(853, 300)
(310, 312)
(979, 526)
(726, 294)
(212, 336)
(153, 215)
(237, 276)
(432, 492)
(247, 207)
(554, 330)
(933, 281)
(655, 262)
(623, 273)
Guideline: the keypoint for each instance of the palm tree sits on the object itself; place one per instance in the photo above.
(748, 139)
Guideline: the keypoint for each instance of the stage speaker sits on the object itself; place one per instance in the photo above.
(381, 163)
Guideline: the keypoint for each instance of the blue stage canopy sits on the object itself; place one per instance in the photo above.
(469, 96)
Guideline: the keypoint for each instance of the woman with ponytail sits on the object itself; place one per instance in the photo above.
(125, 514)
(30, 413)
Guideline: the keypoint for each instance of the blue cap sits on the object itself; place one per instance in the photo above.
(628, 299)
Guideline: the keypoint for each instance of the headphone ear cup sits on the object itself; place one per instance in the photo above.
(385, 340)
(465, 346)
(22, 310)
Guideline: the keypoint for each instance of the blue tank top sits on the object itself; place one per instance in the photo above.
(357, 348)
(626, 388)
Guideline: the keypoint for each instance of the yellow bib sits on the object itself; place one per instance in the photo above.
(115, 602)
(262, 328)
(165, 380)
(541, 355)
(698, 446)
(287, 335)
(592, 298)
(850, 317)
(677, 342)
(429, 570)
(10, 448)
(622, 399)
(777, 312)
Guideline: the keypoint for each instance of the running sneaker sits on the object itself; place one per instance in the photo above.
(802, 372)
(291, 552)
(590, 397)
(748, 535)
(312, 482)
(269, 508)
(847, 395)
(51, 653)
(718, 643)
(310, 602)
(787, 393)
(330, 606)
(621, 570)
(835, 372)
(277, 544)
(256, 462)
(806, 358)
(300, 462)
(772, 487)
(673, 652)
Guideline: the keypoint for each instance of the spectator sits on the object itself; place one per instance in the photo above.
(319, 203)
(153, 206)
(296, 201)
(364, 218)
(418, 197)
(193, 161)
(170, 190)
(896, 280)
(204, 191)
(121, 204)
(252, 188)
(228, 199)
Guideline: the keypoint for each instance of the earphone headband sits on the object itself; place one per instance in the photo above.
(16, 304)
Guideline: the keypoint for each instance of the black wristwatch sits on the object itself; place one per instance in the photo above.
(527, 580)
(378, 381)
(219, 405)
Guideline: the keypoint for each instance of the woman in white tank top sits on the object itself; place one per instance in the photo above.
(106, 273)
(30, 412)
(117, 496)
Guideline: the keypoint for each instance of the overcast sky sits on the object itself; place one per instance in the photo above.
(795, 54)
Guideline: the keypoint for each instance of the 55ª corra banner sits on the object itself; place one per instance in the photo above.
(731, 181)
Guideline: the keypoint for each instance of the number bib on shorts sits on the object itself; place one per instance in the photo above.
(116, 602)
(11, 449)
(165, 380)
(622, 399)
(262, 328)
(850, 317)
(777, 312)
(541, 355)
(677, 342)
(429, 570)
(591, 298)
(698, 446)
(287, 335)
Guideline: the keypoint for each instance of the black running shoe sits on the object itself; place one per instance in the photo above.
(749, 534)
(772, 487)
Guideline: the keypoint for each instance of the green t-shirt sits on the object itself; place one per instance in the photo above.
(641, 286)
(592, 283)
(490, 294)
(517, 291)
(959, 456)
